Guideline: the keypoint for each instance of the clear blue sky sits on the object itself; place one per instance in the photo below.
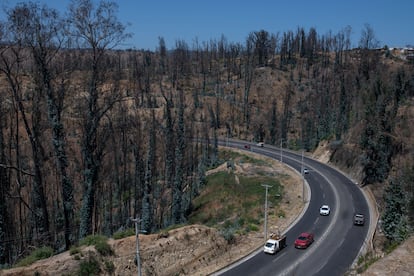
(392, 21)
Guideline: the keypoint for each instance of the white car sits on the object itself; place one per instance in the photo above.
(324, 210)
(305, 171)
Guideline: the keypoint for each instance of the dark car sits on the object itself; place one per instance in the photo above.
(247, 146)
(359, 219)
(304, 240)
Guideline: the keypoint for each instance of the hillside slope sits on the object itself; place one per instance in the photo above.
(188, 250)
(201, 250)
(398, 262)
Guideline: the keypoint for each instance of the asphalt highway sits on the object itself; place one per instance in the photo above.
(337, 241)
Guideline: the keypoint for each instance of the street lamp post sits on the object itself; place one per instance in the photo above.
(281, 151)
(227, 139)
(303, 179)
(265, 222)
(137, 221)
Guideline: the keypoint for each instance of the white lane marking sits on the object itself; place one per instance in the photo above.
(279, 256)
(310, 250)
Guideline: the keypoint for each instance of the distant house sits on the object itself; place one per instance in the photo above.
(409, 54)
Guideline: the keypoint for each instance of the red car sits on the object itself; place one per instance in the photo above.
(304, 240)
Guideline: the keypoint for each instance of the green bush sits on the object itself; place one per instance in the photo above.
(89, 267)
(100, 243)
(109, 266)
(38, 254)
(228, 235)
(104, 248)
(93, 240)
(390, 246)
(43, 252)
(253, 227)
(123, 234)
(74, 250)
(364, 261)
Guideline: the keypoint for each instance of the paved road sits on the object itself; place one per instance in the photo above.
(337, 240)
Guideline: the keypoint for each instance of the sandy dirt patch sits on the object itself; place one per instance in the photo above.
(399, 262)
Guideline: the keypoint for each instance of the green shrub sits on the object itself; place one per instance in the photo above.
(74, 250)
(104, 248)
(89, 267)
(163, 234)
(253, 221)
(364, 261)
(253, 227)
(100, 243)
(38, 254)
(93, 240)
(109, 266)
(228, 235)
(43, 252)
(390, 246)
(123, 234)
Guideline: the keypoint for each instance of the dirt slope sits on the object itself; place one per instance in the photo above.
(399, 262)
(189, 250)
(200, 250)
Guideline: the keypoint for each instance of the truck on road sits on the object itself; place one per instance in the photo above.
(276, 243)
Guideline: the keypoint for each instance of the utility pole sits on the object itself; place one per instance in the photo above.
(265, 222)
(227, 139)
(303, 179)
(137, 221)
(281, 151)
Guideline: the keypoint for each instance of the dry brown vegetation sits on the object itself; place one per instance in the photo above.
(201, 250)
(91, 137)
(188, 250)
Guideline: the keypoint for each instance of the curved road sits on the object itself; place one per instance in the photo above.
(337, 240)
